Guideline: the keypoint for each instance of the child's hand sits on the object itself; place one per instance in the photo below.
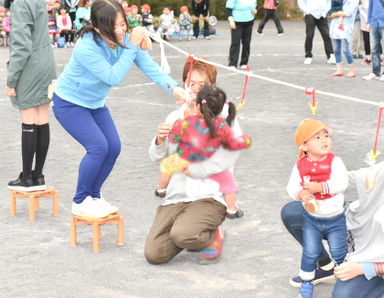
(348, 270)
(163, 130)
(304, 195)
(313, 187)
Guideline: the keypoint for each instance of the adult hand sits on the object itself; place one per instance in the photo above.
(10, 92)
(304, 195)
(206, 19)
(348, 270)
(232, 23)
(195, 19)
(254, 11)
(163, 130)
(180, 94)
(368, 27)
(313, 187)
(137, 36)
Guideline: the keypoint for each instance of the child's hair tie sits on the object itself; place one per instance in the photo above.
(203, 101)
(227, 101)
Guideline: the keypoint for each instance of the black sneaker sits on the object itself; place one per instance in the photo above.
(38, 181)
(237, 215)
(320, 276)
(22, 184)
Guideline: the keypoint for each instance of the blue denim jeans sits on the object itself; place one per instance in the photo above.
(359, 287)
(376, 36)
(314, 229)
(292, 215)
(342, 44)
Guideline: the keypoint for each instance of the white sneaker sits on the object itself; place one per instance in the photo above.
(332, 59)
(260, 33)
(89, 208)
(382, 78)
(280, 34)
(180, 38)
(207, 37)
(308, 61)
(243, 66)
(106, 206)
(232, 67)
(370, 77)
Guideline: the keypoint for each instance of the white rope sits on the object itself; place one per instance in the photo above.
(250, 74)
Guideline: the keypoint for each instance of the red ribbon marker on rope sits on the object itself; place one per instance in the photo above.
(374, 153)
(190, 58)
(245, 86)
(313, 106)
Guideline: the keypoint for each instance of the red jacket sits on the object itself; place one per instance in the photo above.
(269, 4)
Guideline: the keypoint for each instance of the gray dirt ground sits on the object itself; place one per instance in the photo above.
(259, 256)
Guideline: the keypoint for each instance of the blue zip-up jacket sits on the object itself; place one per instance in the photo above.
(376, 13)
(93, 69)
(242, 9)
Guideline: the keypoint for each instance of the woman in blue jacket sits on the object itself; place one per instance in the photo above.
(100, 60)
(241, 15)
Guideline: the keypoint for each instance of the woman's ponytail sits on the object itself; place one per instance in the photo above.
(231, 113)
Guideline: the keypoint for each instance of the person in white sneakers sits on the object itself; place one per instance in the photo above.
(315, 12)
(376, 29)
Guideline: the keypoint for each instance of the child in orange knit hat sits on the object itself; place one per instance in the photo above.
(319, 179)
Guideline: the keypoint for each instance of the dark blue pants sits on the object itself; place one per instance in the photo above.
(359, 287)
(95, 131)
(314, 229)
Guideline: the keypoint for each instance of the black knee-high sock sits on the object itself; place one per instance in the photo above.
(41, 147)
(28, 147)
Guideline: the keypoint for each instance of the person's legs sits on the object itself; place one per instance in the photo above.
(263, 21)
(206, 26)
(309, 34)
(367, 47)
(355, 39)
(337, 48)
(159, 247)
(105, 123)
(43, 138)
(312, 245)
(196, 27)
(246, 42)
(348, 55)
(336, 232)
(359, 287)
(234, 49)
(276, 19)
(195, 227)
(292, 217)
(79, 122)
(375, 37)
(322, 25)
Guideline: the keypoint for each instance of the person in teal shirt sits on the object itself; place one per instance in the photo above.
(101, 59)
(241, 15)
(83, 14)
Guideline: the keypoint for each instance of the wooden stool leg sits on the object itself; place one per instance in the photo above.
(32, 205)
(96, 238)
(13, 203)
(120, 232)
(37, 204)
(73, 232)
(56, 203)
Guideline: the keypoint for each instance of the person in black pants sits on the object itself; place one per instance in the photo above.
(270, 11)
(241, 17)
(200, 7)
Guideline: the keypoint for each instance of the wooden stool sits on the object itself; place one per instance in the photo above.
(113, 219)
(34, 196)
